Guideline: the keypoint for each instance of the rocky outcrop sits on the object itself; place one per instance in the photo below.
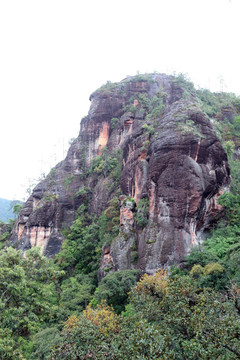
(50, 208)
(173, 169)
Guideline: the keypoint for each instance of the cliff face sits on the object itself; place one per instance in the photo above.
(148, 136)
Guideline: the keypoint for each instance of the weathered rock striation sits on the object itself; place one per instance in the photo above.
(173, 169)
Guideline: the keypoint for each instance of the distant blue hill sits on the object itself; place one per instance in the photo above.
(6, 209)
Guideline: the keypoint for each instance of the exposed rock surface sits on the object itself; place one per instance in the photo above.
(173, 170)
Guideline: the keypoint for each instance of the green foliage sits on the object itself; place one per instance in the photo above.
(82, 340)
(75, 293)
(141, 216)
(148, 129)
(142, 77)
(103, 317)
(211, 275)
(85, 195)
(43, 342)
(143, 340)
(231, 263)
(229, 131)
(8, 346)
(107, 88)
(134, 254)
(78, 252)
(156, 112)
(145, 146)
(51, 181)
(109, 221)
(156, 106)
(222, 247)
(213, 103)
(114, 122)
(67, 182)
(231, 203)
(5, 232)
(128, 199)
(116, 173)
(114, 288)
(167, 318)
(152, 107)
(196, 271)
(183, 81)
(236, 126)
(130, 108)
(144, 101)
(105, 163)
(128, 340)
(27, 287)
(185, 314)
(17, 208)
(223, 240)
(213, 268)
(209, 101)
(81, 250)
(49, 197)
(83, 191)
(9, 209)
(200, 255)
(3, 237)
(229, 147)
(190, 127)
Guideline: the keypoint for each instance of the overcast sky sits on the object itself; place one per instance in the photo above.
(54, 54)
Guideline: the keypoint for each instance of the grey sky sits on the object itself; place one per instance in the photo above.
(55, 53)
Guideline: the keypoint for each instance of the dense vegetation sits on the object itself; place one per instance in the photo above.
(55, 308)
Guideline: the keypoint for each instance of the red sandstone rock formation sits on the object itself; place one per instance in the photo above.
(171, 157)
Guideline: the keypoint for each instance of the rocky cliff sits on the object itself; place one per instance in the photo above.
(146, 141)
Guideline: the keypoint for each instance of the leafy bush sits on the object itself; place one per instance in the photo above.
(148, 129)
(105, 163)
(224, 238)
(109, 220)
(114, 288)
(43, 342)
(196, 271)
(78, 252)
(201, 256)
(81, 339)
(28, 294)
(190, 127)
(103, 317)
(184, 314)
(141, 216)
(211, 275)
(75, 293)
(114, 122)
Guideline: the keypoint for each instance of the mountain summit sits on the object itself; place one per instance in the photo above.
(148, 158)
